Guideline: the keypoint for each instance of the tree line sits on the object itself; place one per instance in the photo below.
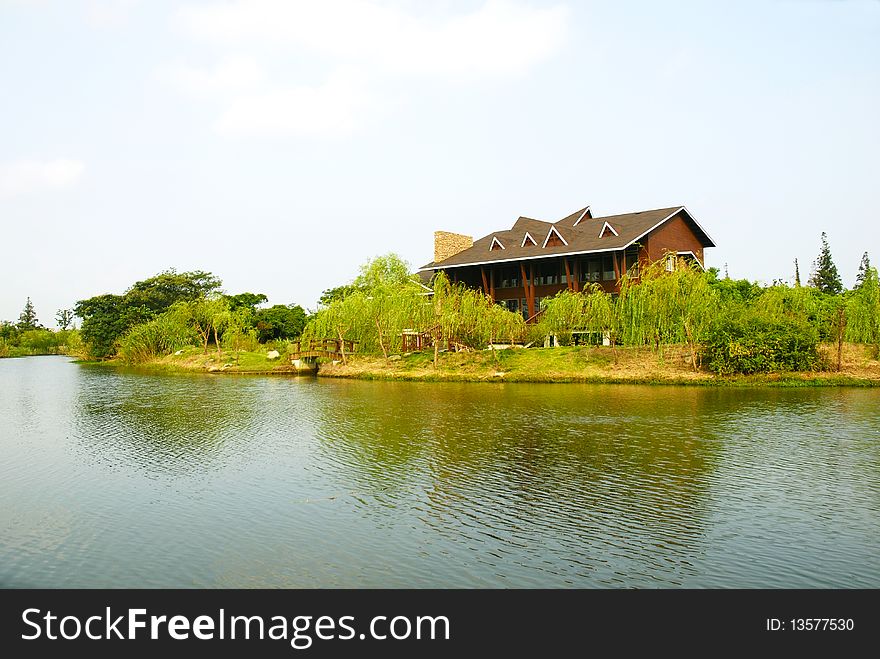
(30, 337)
(155, 316)
(728, 326)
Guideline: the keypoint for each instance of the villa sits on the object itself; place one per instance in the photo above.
(534, 259)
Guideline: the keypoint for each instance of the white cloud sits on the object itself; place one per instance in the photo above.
(501, 37)
(31, 176)
(231, 75)
(373, 44)
(334, 109)
(109, 14)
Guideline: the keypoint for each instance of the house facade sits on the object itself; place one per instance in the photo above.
(517, 267)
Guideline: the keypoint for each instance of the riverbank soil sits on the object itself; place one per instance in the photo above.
(595, 364)
(632, 365)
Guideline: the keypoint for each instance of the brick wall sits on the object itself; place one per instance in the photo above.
(674, 236)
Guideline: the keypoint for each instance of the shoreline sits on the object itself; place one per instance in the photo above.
(583, 365)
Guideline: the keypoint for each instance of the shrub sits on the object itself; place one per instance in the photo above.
(755, 344)
(160, 336)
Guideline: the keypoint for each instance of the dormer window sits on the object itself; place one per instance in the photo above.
(554, 238)
(496, 244)
(607, 230)
(586, 215)
(528, 240)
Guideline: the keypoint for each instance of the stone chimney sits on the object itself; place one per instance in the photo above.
(449, 244)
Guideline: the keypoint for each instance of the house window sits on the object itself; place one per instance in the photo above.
(632, 262)
(594, 270)
(608, 268)
(525, 308)
(509, 278)
(548, 274)
(670, 263)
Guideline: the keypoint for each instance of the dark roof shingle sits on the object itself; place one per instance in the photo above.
(583, 238)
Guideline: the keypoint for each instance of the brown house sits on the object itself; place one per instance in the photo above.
(535, 259)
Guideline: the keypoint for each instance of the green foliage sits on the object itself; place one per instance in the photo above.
(40, 342)
(245, 301)
(382, 271)
(164, 334)
(376, 316)
(756, 343)
(658, 307)
(279, 322)
(863, 311)
(158, 293)
(207, 316)
(240, 333)
(8, 332)
(108, 317)
(64, 318)
(864, 268)
(733, 290)
(591, 310)
(330, 295)
(825, 276)
(28, 318)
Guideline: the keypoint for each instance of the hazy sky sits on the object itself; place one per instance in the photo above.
(279, 144)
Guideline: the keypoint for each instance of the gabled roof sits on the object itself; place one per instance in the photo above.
(582, 239)
(575, 218)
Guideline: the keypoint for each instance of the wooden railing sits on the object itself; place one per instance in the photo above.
(331, 348)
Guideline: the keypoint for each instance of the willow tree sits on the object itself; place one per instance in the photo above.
(393, 309)
(207, 316)
(563, 314)
(504, 324)
(346, 318)
(599, 308)
(661, 307)
(468, 317)
(863, 311)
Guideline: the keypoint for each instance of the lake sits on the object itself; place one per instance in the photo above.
(123, 479)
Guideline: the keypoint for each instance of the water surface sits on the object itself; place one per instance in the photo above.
(112, 479)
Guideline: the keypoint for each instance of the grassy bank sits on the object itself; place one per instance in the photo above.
(595, 364)
(574, 364)
(194, 360)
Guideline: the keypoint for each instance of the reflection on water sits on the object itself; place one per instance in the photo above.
(126, 479)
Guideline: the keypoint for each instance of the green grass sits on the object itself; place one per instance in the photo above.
(586, 364)
(580, 364)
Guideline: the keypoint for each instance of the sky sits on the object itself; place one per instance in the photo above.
(279, 144)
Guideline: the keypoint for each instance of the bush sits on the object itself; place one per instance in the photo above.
(160, 336)
(754, 344)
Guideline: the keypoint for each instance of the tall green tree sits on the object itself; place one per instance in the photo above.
(108, 317)
(825, 276)
(864, 268)
(245, 300)
(158, 293)
(209, 315)
(28, 318)
(387, 270)
(280, 322)
(105, 318)
(64, 318)
(797, 274)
